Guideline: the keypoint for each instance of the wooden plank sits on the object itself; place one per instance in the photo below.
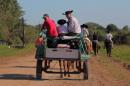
(62, 53)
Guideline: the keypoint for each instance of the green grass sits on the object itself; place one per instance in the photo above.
(120, 53)
(9, 52)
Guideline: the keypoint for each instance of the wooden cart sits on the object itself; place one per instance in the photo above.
(76, 55)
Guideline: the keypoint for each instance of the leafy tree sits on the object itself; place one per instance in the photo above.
(10, 12)
(99, 29)
(125, 29)
(112, 28)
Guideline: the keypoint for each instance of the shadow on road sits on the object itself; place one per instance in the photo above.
(67, 79)
(18, 67)
(24, 67)
(16, 77)
(30, 77)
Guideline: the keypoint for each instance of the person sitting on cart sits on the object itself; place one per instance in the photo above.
(62, 31)
(62, 28)
(74, 28)
(73, 24)
(52, 33)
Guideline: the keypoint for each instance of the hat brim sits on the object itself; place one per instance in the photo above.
(64, 14)
(61, 21)
(68, 12)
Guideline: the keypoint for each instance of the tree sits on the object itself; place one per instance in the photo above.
(10, 12)
(125, 29)
(99, 29)
(112, 28)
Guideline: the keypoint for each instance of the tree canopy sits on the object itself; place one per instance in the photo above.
(10, 13)
(11, 28)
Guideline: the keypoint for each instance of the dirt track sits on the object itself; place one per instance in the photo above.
(102, 72)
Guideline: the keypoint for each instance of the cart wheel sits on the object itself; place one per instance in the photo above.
(39, 70)
(85, 70)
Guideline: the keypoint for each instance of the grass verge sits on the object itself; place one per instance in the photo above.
(120, 53)
(9, 52)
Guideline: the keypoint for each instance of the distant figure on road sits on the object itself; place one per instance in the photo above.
(87, 41)
(108, 43)
(95, 43)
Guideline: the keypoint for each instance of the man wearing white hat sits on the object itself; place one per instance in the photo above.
(73, 24)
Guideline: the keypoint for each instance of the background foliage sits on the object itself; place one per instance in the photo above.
(11, 27)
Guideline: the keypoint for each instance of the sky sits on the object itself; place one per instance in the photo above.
(103, 12)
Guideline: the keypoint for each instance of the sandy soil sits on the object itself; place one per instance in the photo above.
(102, 72)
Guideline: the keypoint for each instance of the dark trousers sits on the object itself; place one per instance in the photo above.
(108, 46)
(52, 42)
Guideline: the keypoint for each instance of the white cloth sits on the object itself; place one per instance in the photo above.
(69, 37)
(108, 36)
(85, 32)
(73, 25)
(63, 29)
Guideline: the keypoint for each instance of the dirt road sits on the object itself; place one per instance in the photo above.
(102, 72)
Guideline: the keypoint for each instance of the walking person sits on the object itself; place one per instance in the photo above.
(95, 43)
(108, 43)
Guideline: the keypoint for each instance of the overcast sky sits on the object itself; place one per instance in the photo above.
(102, 12)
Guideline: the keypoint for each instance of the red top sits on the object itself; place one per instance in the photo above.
(39, 41)
(51, 27)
